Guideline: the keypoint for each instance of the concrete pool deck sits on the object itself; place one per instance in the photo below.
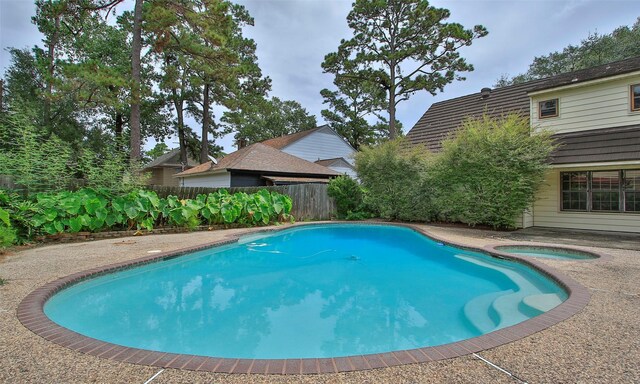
(599, 344)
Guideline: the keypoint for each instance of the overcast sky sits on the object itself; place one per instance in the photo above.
(294, 35)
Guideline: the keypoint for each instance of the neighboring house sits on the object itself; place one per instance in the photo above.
(594, 180)
(318, 144)
(165, 167)
(256, 165)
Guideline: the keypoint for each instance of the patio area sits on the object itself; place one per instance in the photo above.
(598, 345)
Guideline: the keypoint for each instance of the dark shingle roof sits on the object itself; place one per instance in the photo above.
(338, 161)
(261, 158)
(598, 145)
(612, 69)
(444, 117)
(168, 160)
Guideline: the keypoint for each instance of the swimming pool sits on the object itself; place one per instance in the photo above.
(314, 291)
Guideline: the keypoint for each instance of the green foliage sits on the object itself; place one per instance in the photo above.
(93, 210)
(265, 119)
(349, 197)
(595, 50)
(35, 161)
(395, 177)
(7, 236)
(488, 173)
(402, 47)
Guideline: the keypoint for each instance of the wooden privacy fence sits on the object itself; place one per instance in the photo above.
(310, 201)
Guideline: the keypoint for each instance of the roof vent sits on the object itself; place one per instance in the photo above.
(485, 92)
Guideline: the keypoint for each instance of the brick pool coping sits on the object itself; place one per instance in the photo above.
(30, 313)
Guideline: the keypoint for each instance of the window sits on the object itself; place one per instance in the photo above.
(574, 191)
(635, 97)
(605, 191)
(601, 191)
(548, 108)
(631, 190)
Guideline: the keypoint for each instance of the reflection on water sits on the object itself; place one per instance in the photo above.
(331, 291)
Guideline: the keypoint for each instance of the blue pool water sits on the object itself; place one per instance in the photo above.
(311, 291)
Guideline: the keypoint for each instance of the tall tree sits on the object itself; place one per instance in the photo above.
(595, 50)
(403, 46)
(136, 69)
(268, 118)
(355, 102)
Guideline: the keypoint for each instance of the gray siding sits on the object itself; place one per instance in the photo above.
(218, 180)
(321, 144)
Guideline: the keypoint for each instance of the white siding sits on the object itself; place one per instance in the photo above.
(600, 105)
(319, 145)
(547, 213)
(218, 180)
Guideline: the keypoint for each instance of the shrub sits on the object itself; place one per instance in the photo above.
(349, 198)
(98, 209)
(395, 176)
(489, 172)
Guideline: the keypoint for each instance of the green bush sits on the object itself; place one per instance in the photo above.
(349, 197)
(489, 172)
(94, 210)
(395, 175)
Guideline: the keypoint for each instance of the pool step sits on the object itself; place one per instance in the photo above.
(477, 311)
(542, 302)
(507, 306)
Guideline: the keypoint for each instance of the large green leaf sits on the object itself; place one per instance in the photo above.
(59, 227)
(131, 209)
(4, 217)
(50, 214)
(75, 224)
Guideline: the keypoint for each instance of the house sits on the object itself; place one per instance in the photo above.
(594, 114)
(318, 144)
(163, 168)
(256, 165)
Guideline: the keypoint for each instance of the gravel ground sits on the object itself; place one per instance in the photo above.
(601, 344)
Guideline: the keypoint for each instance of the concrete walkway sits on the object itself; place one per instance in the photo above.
(598, 345)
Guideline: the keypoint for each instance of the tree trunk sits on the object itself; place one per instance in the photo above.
(178, 104)
(204, 148)
(51, 57)
(392, 103)
(134, 121)
(119, 124)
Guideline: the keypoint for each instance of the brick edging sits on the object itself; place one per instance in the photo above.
(30, 313)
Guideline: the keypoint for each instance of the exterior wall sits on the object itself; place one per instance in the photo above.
(547, 213)
(320, 145)
(601, 104)
(218, 180)
(163, 176)
(240, 179)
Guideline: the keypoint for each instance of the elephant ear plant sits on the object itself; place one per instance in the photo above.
(94, 210)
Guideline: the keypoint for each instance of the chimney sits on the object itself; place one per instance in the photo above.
(485, 93)
(241, 143)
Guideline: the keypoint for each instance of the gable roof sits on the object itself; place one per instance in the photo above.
(283, 141)
(261, 158)
(445, 117)
(167, 160)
